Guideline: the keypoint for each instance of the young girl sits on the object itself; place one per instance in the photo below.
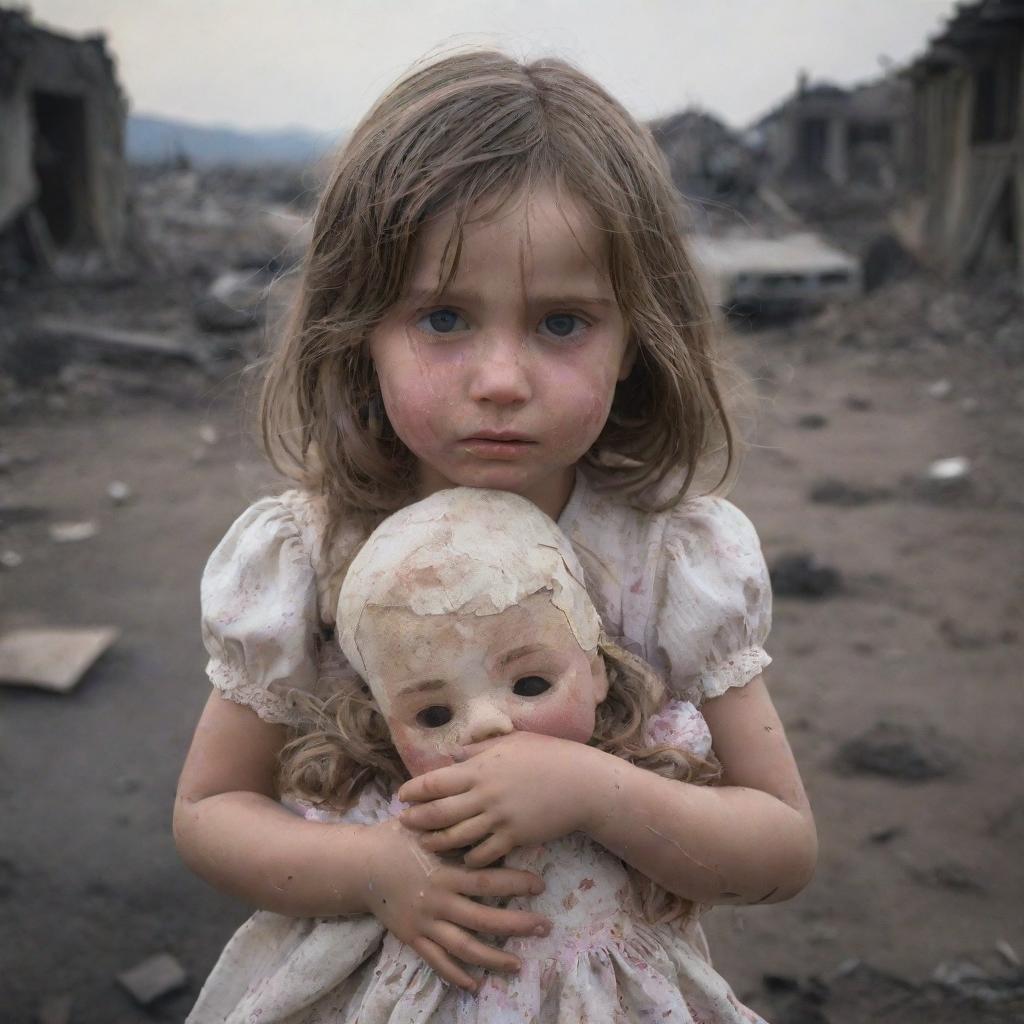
(448, 588)
(497, 295)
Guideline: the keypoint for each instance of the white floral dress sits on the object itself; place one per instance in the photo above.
(686, 589)
(602, 962)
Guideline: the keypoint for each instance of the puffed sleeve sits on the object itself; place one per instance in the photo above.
(259, 612)
(714, 604)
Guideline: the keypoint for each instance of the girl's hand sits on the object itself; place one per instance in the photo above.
(426, 903)
(516, 790)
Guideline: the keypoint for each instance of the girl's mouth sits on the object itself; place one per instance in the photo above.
(497, 446)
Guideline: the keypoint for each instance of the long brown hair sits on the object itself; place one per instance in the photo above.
(463, 136)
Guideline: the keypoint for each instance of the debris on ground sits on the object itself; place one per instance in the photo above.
(846, 495)
(51, 659)
(153, 978)
(897, 751)
(72, 533)
(801, 575)
(54, 1010)
(119, 492)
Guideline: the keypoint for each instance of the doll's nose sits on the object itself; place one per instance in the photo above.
(486, 721)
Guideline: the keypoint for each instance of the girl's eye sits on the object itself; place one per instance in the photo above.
(530, 686)
(563, 325)
(434, 717)
(442, 321)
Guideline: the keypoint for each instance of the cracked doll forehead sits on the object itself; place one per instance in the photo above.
(464, 551)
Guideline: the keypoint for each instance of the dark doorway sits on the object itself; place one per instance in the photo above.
(812, 142)
(61, 165)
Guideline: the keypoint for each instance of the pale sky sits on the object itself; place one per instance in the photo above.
(319, 64)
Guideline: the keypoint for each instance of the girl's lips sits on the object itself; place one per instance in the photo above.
(497, 448)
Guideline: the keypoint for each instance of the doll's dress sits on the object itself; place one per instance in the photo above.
(601, 963)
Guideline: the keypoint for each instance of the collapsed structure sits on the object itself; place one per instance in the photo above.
(968, 174)
(62, 169)
(826, 135)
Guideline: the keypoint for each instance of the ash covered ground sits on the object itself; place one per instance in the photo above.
(898, 637)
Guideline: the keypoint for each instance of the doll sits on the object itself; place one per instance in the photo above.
(467, 622)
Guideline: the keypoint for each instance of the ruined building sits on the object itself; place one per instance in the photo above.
(62, 171)
(824, 135)
(968, 174)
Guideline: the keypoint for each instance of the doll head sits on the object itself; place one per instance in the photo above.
(467, 617)
(455, 142)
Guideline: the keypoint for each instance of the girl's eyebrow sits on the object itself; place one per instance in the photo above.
(419, 295)
(516, 653)
(424, 685)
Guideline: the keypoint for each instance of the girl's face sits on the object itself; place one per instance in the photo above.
(445, 681)
(506, 379)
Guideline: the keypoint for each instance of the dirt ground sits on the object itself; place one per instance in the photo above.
(925, 633)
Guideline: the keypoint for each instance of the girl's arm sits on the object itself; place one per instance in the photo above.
(230, 829)
(750, 839)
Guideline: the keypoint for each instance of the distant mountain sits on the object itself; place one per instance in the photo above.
(157, 139)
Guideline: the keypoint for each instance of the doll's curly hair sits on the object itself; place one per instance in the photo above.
(465, 136)
(347, 747)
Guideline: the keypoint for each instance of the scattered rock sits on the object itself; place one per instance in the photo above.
(940, 389)
(812, 421)
(838, 492)
(209, 434)
(54, 1010)
(887, 834)
(119, 492)
(858, 403)
(10, 559)
(800, 575)
(71, 533)
(945, 479)
(897, 752)
(947, 875)
(153, 978)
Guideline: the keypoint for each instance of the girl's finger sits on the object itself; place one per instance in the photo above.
(465, 833)
(458, 942)
(493, 882)
(491, 849)
(442, 963)
(476, 917)
(441, 782)
(443, 813)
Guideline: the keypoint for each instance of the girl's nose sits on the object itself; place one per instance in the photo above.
(500, 373)
(485, 721)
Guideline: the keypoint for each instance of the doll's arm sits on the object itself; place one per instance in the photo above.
(230, 829)
(749, 839)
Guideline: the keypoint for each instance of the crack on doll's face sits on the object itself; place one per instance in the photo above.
(445, 681)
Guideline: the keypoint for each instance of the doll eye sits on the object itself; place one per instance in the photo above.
(441, 321)
(435, 716)
(530, 686)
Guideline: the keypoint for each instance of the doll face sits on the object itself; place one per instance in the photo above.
(445, 681)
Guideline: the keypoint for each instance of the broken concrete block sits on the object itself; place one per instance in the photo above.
(52, 659)
(71, 533)
(148, 981)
